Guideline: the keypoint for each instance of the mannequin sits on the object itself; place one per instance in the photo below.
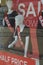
(10, 14)
(13, 20)
(19, 22)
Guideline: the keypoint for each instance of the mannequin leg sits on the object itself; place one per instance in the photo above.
(13, 43)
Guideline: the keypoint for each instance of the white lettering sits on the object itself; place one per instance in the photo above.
(31, 7)
(4, 58)
(21, 10)
(16, 61)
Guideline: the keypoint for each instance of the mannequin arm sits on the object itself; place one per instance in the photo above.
(8, 24)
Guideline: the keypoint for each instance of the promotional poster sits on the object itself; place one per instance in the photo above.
(21, 32)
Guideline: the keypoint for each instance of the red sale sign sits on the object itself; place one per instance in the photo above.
(7, 58)
(30, 10)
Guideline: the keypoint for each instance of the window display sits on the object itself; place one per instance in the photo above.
(21, 31)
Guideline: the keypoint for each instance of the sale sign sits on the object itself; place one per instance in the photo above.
(30, 10)
(7, 58)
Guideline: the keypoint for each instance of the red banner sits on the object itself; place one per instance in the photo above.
(7, 58)
(29, 9)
